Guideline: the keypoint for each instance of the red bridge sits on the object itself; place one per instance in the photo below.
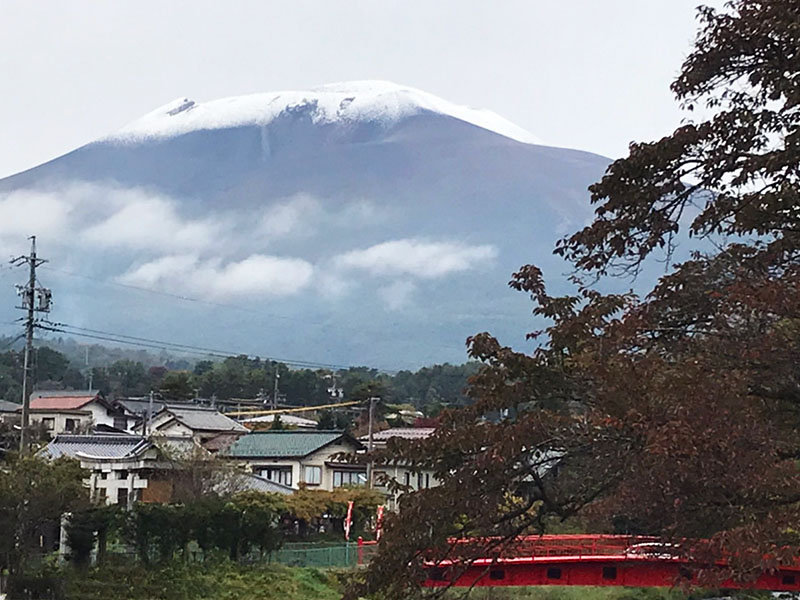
(595, 560)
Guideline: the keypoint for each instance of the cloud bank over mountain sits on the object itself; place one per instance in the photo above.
(354, 223)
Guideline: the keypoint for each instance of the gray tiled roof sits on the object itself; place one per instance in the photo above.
(256, 483)
(204, 419)
(139, 407)
(6, 406)
(99, 446)
(61, 393)
(407, 433)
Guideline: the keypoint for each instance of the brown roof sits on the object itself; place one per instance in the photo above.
(221, 441)
(61, 401)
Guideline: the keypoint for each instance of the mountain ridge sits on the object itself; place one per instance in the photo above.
(358, 241)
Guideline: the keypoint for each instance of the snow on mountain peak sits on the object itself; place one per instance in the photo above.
(373, 100)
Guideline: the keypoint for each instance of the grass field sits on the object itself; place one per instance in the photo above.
(230, 581)
(198, 582)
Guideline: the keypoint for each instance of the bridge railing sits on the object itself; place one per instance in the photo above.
(575, 545)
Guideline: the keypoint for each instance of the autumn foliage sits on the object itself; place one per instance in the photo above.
(674, 414)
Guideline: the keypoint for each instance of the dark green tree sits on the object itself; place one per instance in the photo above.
(49, 364)
(34, 493)
(177, 385)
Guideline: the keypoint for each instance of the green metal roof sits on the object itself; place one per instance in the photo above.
(284, 444)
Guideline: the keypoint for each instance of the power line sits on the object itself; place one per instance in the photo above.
(176, 296)
(276, 411)
(187, 348)
(195, 300)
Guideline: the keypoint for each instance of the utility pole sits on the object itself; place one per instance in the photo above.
(372, 401)
(149, 414)
(29, 294)
(275, 389)
(89, 373)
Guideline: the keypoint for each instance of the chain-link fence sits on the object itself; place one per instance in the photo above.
(349, 554)
(295, 554)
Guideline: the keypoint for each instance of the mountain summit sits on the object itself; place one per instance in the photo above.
(354, 223)
(380, 102)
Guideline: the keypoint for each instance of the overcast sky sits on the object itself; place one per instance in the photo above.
(576, 73)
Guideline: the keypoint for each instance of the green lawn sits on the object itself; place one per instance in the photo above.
(203, 582)
(229, 581)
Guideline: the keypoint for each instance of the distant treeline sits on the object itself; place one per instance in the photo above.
(237, 377)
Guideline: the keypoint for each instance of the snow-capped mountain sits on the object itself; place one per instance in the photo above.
(378, 102)
(355, 223)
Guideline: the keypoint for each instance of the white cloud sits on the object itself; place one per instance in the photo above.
(332, 285)
(151, 223)
(360, 213)
(416, 258)
(398, 294)
(287, 217)
(303, 215)
(257, 274)
(27, 213)
(105, 216)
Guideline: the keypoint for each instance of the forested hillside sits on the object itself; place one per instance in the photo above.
(125, 373)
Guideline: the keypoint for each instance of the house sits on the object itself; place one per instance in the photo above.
(74, 411)
(412, 479)
(379, 438)
(294, 457)
(138, 408)
(123, 469)
(290, 421)
(190, 421)
(119, 466)
(9, 411)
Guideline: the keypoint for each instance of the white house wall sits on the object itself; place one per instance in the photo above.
(84, 419)
(100, 414)
(174, 429)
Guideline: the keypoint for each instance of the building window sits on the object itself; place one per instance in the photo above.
(122, 496)
(70, 424)
(312, 475)
(122, 474)
(343, 478)
(408, 479)
(427, 480)
(379, 478)
(419, 481)
(49, 423)
(120, 423)
(282, 475)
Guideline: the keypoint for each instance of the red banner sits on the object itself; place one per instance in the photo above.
(379, 524)
(348, 520)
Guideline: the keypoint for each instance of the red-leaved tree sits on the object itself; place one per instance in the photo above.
(675, 414)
